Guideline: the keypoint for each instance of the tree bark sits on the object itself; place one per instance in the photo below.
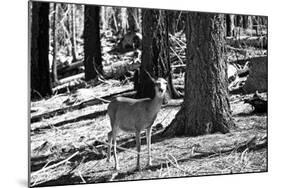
(155, 56)
(206, 107)
(124, 20)
(73, 32)
(133, 19)
(92, 44)
(40, 77)
(104, 18)
(56, 44)
(229, 25)
(142, 83)
(172, 21)
(245, 21)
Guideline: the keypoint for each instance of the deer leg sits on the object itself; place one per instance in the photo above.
(148, 140)
(138, 143)
(109, 146)
(114, 132)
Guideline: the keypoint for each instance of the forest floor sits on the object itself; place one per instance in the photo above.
(68, 136)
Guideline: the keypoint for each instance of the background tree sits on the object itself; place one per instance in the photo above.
(40, 77)
(72, 26)
(229, 25)
(123, 17)
(92, 44)
(55, 42)
(155, 55)
(172, 21)
(245, 21)
(134, 18)
(104, 23)
(206, 107)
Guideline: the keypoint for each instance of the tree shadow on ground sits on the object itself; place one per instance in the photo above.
(89, 152)
(67, 179)
(247, 114)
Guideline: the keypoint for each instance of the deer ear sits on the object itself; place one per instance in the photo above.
(151, 78)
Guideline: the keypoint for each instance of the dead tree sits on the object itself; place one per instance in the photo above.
(92, 44)
(206, 107)
(39, 53)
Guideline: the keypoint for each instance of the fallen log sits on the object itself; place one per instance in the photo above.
(118, 69)
(70, 83)
(115, 70)
(258, 102)
(70, 78)
(71, 66)
(70, 120)
(252, 144)
(55, 165)
(255, 41)
(83, 104)
(252, 59)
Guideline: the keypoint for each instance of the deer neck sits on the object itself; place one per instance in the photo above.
(156, 104)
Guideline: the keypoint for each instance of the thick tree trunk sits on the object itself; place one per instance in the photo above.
(155, 56)
(206, 106)
(143, 84)
(40, 77)
(92, 44)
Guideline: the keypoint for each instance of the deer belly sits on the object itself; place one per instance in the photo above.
(131, 125)
(127, 125)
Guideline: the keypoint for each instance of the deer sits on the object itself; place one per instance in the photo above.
(135, 115)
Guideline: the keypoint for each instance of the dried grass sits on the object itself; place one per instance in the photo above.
(173, 157)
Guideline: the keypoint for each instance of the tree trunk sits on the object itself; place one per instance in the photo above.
(55, 42)
(142, 83)
(40, 78)
(229, 25)
(66, 25)
(124, 20)
(133, 19)
(171, 88)
(104, 20)
(239, 21)
(73, 32)
(206, 107)
(172, 21)
(155, 56)
(92, 44)
(245, 22)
